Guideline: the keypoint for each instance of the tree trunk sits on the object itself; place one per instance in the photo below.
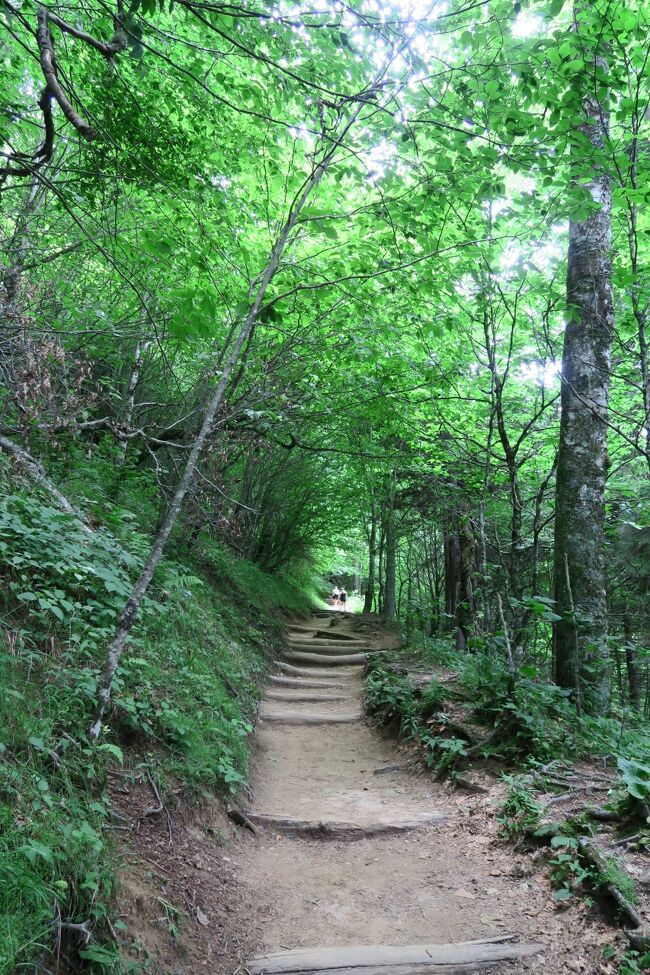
(389, 608)
(131, 609)
(372, 553)
(580, 651)
(631, 661)
(452, 574)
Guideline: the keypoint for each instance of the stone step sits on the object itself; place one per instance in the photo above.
(344, 830)
(330, 635)
(328, 651)
(344, 645)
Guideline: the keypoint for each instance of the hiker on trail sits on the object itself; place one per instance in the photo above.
(343, 596)
(335, 597)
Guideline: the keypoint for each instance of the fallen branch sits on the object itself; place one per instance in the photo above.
(37, 474)
(602, 866)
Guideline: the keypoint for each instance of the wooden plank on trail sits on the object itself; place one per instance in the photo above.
(296, 694)
(295, 717)
(429, 959)
(331, 633)
(299, 682)
(341, 830)
(349, 674)
(300, 657)
(360, 646)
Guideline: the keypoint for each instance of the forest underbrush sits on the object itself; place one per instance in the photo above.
(571, 791)
(182, 711)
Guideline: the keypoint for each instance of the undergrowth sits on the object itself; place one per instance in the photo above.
(536, 723)
(184, 699)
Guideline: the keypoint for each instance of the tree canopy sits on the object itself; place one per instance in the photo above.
(296, 275)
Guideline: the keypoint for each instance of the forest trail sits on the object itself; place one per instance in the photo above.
(355, 850)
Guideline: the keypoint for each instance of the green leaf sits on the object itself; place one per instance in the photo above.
(562, 895)
(35, 849)
(560, 841)
(113, 750)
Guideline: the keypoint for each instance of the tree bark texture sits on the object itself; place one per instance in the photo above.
(580, 651)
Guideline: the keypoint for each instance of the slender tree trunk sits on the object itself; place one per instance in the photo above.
(466, 605)
(130, 611)
(372, 555)
(631, 661)
(452, 574)
(389, 608)
(380, 568)
(580, 651)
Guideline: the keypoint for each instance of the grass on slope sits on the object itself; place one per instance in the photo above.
(184, 697)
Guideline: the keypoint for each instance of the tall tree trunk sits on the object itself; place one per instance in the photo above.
(372, 555)
(580, 651)
(380, 568)
(452, 574)
(631, 661)
(389, 607)
(466, 606)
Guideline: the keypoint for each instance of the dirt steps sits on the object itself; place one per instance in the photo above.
(359, 866)
(315, 781)
(295, 671)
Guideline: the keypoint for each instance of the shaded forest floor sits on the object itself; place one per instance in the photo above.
(202, 893)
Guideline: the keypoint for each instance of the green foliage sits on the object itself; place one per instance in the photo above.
(520, 811)
(634, 962)
(636, 778)
(186, 693)
(390, 697)
(442, 754)
(568, 872)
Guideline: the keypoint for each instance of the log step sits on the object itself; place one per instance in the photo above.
(331, 633)
(321, 647)
(299, 682)
(341, 830)
(298, 695)
(463, 957)
(288, 668)
(314, 717)
(321, 658)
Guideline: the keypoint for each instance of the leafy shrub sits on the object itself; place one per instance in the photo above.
(442, 753)
(636, 777)
(520, 811)
(186, 691)
(390, 696)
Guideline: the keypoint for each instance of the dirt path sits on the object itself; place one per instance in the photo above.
(352, 853)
